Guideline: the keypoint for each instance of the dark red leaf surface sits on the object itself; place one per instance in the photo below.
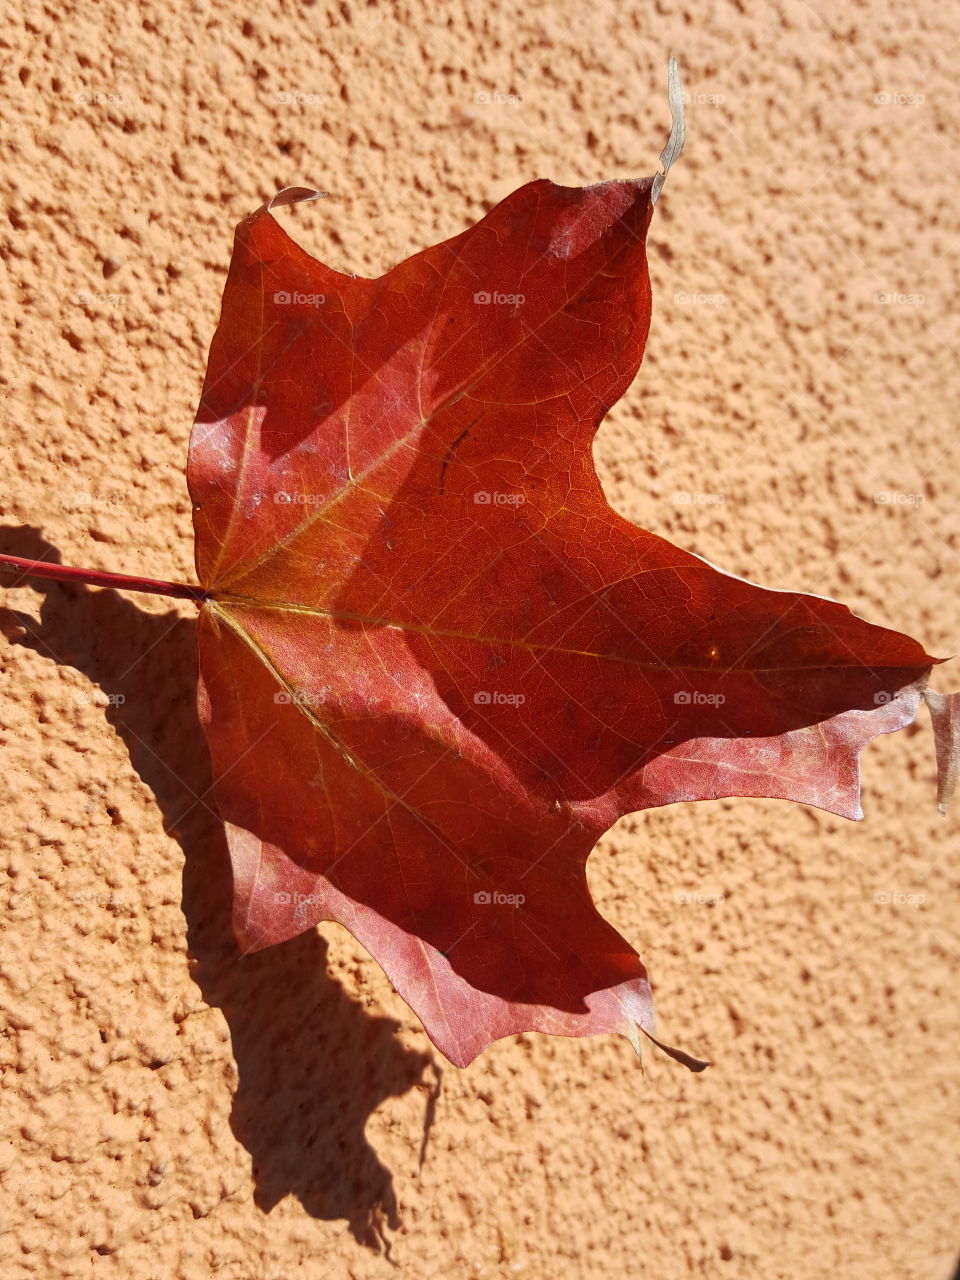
(436, 665)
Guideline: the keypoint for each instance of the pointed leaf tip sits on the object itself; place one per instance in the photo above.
(678, 130)
(292, 195)
(678, 1055)
(945, 715)
(633, 1036)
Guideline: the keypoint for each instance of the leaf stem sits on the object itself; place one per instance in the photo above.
(97, 578)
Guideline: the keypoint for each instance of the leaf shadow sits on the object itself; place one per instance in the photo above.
(312, 1064)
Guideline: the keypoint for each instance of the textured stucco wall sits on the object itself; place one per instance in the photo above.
(170, 1109)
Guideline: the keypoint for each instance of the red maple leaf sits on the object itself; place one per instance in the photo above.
(435, 664)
